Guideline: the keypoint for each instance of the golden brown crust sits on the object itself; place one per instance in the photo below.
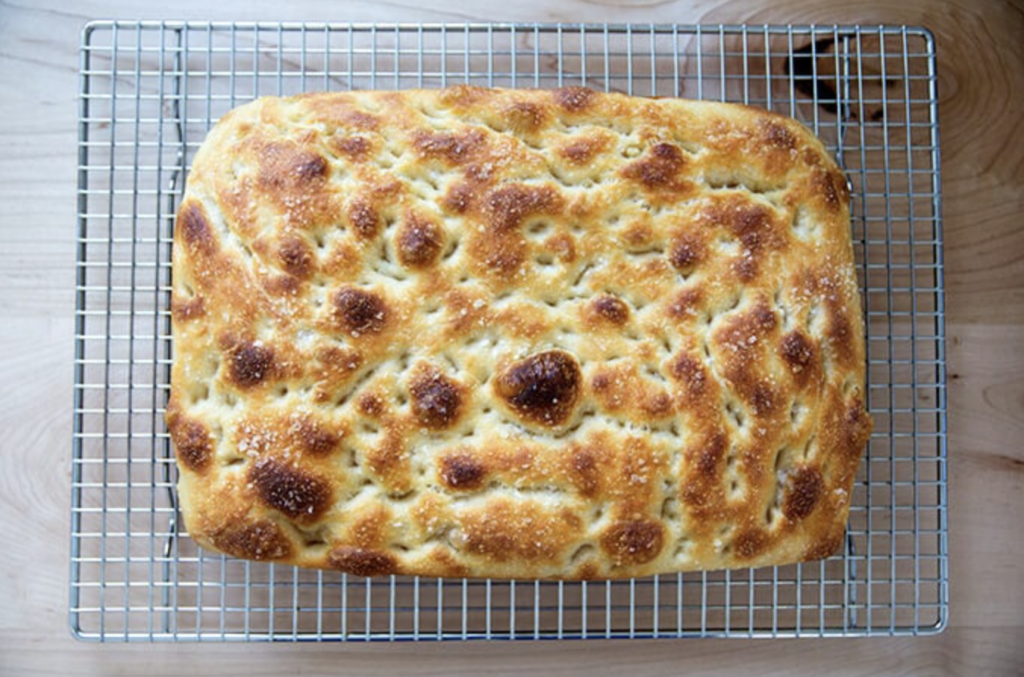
(527, 334)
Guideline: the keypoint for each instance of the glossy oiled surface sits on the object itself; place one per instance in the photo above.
(515, 334)
(980, 74)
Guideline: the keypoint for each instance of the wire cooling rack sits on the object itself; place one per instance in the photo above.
(149, 93)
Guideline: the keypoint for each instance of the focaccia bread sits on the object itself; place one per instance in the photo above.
(515, 334)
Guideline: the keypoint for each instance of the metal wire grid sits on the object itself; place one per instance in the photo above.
(149, 93)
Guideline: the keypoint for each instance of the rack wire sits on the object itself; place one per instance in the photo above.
(149, 93)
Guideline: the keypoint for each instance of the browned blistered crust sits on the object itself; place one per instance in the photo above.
(525, 334)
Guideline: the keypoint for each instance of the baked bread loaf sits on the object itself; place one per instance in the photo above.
(515, 334)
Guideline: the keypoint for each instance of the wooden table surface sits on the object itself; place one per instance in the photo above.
(981, 80)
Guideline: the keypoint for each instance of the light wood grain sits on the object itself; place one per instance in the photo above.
(981, 77)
